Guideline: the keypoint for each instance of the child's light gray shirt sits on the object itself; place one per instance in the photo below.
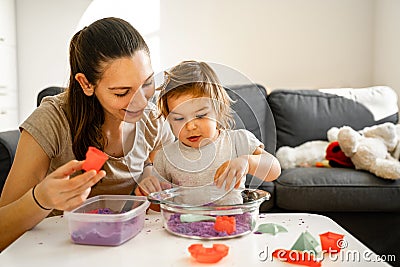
(187, 166)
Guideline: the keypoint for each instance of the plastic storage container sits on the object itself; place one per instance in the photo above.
(107, 220)
(188, 212)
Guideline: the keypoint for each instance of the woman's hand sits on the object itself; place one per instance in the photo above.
(232, 171)
(58, 191)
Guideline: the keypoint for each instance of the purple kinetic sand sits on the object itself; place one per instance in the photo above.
(108, 233)
(206, 229)
(101, 211)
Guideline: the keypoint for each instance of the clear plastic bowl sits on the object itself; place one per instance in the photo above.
(188, 212)
(107, 220)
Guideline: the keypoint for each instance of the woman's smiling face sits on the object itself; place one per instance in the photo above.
(125, 87)
(193, 120)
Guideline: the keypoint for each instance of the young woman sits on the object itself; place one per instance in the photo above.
(105, 106)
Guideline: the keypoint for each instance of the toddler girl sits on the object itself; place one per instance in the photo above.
(207, 150)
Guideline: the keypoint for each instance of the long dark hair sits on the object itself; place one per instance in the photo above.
(90, 49)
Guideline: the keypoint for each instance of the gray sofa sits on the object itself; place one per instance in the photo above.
(305, 115)
(365, 205)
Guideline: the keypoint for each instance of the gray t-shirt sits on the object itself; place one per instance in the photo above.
(50, 128)
(187, 166)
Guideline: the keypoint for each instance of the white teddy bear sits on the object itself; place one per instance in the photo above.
(371, 148)
(304, 155)
(307, 154)
(375, 149)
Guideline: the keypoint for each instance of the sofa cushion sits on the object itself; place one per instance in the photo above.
(252, 112)
(335, 189)
(48, 91)
(305, 115)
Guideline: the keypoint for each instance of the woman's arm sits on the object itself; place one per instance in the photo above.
(29, 168)
(18, 210)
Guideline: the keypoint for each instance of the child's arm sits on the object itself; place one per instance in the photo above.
(261, 164)
(148, 184)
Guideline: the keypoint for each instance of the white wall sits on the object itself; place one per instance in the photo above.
(44, 28)
(386, 63)
(278, 43)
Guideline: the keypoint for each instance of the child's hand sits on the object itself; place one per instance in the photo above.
(149, 185)
(231, 171)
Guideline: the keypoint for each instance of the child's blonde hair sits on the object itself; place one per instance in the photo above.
(200, 80)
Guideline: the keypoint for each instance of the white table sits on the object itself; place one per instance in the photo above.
(49, 244)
